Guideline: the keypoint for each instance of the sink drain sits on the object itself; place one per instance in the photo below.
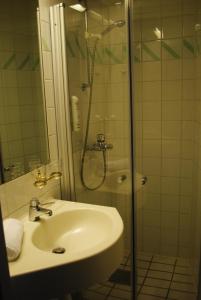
(59, 250)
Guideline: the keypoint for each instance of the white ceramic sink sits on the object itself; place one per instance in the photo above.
(78, 231)
(92, 238)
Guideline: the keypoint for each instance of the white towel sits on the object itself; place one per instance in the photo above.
(13, 231)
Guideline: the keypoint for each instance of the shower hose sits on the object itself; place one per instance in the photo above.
(90, 73)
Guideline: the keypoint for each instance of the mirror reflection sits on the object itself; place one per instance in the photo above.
(23, 130)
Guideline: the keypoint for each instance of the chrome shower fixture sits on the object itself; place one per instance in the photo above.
(100, 144)
(118, 23)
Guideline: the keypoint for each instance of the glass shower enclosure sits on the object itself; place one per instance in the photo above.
(132, 81)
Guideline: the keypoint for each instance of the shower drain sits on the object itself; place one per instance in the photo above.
(59, 250)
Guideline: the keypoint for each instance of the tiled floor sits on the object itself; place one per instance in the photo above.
(162, 277)
(159, 278)
(110, 290)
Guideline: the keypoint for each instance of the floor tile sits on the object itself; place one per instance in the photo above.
(122, 287)
(164, 259)
(140, 280)
(157, 283)
(183, 270)
(181, 295)
(159, 275)
(122, 294)
(161, 267)
(182, 287)
(143, 264)
(141, 272)
(154, 291)
(182, 278)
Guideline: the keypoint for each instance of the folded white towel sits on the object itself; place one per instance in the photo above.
(13, 231)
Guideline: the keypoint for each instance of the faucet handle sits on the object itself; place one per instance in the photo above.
(34, 202)
(100, 138)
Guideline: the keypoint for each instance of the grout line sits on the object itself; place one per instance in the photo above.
(171, 279)
(159, 287)
(156, 296)
(147, 271)
(110, 291)
(157, 262)
(177, 281)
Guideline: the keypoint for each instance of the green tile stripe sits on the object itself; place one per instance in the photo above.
(112, 56)
(9, 61)
(98, 57)
(150, 52)
(24, 62)
(171, 51)
(189, 46)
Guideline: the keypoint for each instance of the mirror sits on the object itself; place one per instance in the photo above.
(23, 128)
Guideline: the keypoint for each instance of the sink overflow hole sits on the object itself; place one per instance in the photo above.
(59, 250)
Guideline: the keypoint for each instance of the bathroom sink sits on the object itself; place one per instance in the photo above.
(79, 245)
(77, 231)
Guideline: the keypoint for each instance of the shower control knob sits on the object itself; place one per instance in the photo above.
(144, 180)
(100, 138)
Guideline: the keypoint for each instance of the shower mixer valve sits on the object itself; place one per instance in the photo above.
(100, 144)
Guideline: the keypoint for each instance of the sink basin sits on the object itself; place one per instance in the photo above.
(92, 239)
(78, 231)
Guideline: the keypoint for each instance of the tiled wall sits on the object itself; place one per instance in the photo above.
(17, 193)
(165, 57)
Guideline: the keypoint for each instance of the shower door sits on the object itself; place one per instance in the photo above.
(166, 54)
(96, 46)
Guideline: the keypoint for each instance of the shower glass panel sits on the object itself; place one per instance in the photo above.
(97, 59)
(167, 138)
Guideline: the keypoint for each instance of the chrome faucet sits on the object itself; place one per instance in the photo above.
(100, 144)
(35, 210)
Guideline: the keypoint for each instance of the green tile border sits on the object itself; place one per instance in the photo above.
(24, 62)
(150, 52)
(9, 61)
(112, 56)
(171, 51)
(189, 46)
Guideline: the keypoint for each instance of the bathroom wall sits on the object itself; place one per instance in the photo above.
(165, 56)
(17, 193)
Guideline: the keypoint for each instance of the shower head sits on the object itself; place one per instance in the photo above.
(78, 5)
(118, 23)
